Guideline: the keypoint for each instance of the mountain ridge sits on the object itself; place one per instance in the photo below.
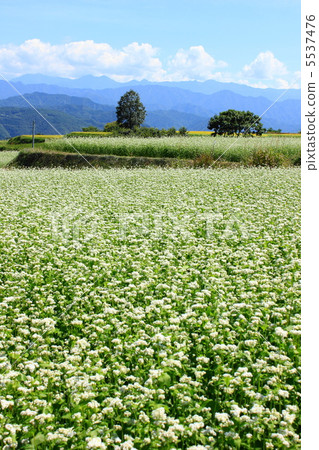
(204, 87)
(167, 106)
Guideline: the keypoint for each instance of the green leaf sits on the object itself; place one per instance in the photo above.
(164, 379)
(38, 440)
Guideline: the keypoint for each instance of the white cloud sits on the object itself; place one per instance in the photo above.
(265, 67)
(136, 62)
(257, 84)
(193, 64)
(33, 56)
(74, 59)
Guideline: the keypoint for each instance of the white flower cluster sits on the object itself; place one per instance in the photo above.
(180, 339)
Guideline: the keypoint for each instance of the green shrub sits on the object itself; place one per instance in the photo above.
(204, 160)
(148, 132)
(267, 158)
(297, 161)
(25, 140)
(91, 128)
(111, 127)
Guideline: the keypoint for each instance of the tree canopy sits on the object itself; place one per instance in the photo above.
(232, 122)
(130, 111)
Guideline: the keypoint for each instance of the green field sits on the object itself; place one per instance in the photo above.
(150, 309)
(191, 147)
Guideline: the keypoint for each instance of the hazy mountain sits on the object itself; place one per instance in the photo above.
(203, 87)
(76, 113)
(84, 110)
(16, 121)
(41, 99)
(85, 82)
(166, 105)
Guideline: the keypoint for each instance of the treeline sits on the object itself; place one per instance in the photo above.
(118, 130)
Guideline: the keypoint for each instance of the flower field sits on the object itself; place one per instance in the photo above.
(227, 148)
(150, 308)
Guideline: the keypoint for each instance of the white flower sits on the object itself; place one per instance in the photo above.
(282, 393)
(6, 403)
(159, 414)
(257, 409)
(222, 417)
(143, 417)
(196, 426)
(95, 442)
(251, 342)
(280, 332)
(28, 412)
(127, 445)
(93, 404)
(30, 365)
(197, 447)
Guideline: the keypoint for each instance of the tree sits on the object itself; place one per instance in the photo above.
(182, 131)
(271, 130)
(171, 131)
(111, 127)
(130, 111)
(232, 122)
(91, 128)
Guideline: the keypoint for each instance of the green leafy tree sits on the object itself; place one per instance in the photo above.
(171, 131)
(111, 126)
(130, 111)
(271, 130)
(232, 122)
(182, 131)
(91, 128)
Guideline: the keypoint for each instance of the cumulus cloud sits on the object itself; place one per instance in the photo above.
(193, 64)
(265, 67)
(257, 84)
(136, 62)
(74, 59)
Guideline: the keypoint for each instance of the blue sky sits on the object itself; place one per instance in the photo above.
(252, 42)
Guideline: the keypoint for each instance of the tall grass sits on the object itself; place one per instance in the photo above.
(225, 148)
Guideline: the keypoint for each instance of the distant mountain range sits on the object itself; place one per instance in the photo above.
(73, 104)
(203, 87)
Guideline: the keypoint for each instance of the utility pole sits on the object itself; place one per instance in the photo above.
(33, 131)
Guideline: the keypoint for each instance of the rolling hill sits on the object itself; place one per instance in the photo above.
(15, 121)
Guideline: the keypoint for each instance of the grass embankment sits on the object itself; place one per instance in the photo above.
(6, 157)
(179, 151)
(285, 150)
(41, 159)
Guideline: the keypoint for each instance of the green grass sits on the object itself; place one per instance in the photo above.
(6, 157)
(191, 147)
(150, 309)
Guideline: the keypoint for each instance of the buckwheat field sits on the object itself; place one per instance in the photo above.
(150, 308)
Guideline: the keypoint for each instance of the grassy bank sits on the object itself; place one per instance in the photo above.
(191, 147)
(42, 159)
(6, 157)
